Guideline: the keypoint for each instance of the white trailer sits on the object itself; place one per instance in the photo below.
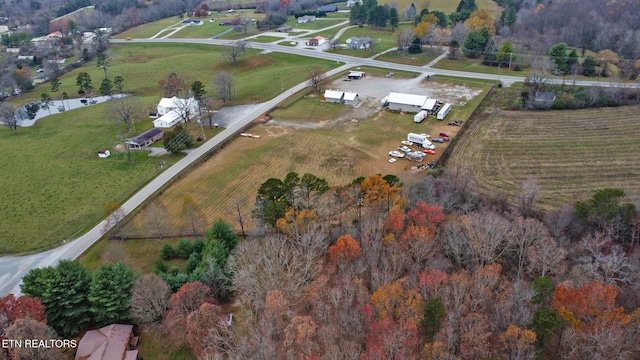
(444, 111)
(420, 139)
(417, 118)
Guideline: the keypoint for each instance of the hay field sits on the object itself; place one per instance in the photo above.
(338, 154)
(570, 153)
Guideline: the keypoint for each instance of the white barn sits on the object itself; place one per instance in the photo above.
(406, 102)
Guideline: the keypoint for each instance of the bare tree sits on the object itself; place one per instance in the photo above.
(125, 110)
(545, 258)
(316, 76)
(116, 251)
(11, 117)
(156, 217)
(192, 215)
(224, 85)
(538, 72)
(235, 51)
(149, 298)
(404, 39)
(26, 329)
(115, 216)
(526, 198)
(239, 215)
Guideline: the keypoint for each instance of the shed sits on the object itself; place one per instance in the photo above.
(350, 98)
(544, 97)
(306, 18)
(284, 28)
(333, 96)
(406, 102)
(146, 138)
(328, 8)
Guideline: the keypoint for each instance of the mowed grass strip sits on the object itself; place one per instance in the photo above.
(58, 187)
(570, 153)
(149, 29)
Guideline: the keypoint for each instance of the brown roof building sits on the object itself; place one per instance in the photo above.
(112, 342)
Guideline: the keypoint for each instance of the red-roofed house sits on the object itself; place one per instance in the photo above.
(112, 342)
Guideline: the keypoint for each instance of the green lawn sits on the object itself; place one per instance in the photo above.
(148, 30)
(266, 39)
(206, 30)
(475, 65)
(383, 40)
(320, 23)
(58, 187)
(428, 55)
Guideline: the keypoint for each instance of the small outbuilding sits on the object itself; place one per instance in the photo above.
(545, 97)
(284, 29)
(333, 96)
(306, 18)
(350, 98)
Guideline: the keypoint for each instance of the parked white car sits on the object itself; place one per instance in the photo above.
(397, 154)
(407, 142)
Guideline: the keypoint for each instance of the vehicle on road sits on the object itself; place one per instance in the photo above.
(397, 154)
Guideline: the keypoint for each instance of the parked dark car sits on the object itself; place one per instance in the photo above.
(438, 140)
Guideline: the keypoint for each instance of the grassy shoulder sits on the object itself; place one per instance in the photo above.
(59, 187)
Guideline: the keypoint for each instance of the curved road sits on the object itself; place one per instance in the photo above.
(13, 268)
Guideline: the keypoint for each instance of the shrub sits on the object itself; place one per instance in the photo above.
(184, 249)
(167, 252)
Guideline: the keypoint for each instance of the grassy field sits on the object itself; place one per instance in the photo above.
(307, 136)
(58, 187)
(383, 40)
(148, 30)
(571, 153)
(266, 39)
(446, 6)
(320, 23)
(428, 55)
(475, 65)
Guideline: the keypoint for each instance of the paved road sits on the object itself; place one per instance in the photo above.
(12, 268)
